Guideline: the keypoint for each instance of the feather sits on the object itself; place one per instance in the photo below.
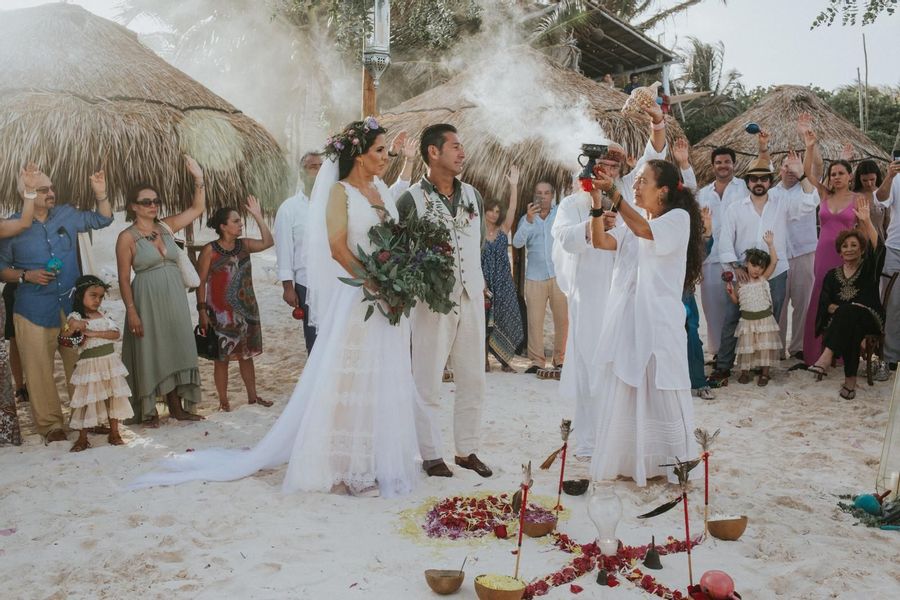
(550, 459)
(661, 509)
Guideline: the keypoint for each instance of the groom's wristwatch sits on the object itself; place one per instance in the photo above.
(597, 212)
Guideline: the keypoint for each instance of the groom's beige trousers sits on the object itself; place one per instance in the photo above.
(459, 336)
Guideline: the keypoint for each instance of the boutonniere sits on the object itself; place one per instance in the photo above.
(470, 210)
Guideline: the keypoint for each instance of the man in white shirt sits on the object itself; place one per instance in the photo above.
(290, 231)
(743, 228)
(889, 196)
(802, 238)
(722, 193)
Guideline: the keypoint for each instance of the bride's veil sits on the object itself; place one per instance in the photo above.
(322, 270)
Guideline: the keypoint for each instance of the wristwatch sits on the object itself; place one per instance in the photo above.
(22, 276)
(802, 177)
(29, 195)
(597, 212)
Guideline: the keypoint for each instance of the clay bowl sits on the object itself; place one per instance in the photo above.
(532, 529)
(728, 529)
(575, 487)
(444, 581)
(486, 593)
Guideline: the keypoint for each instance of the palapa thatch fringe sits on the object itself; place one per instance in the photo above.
(91, 95)
(778, 112)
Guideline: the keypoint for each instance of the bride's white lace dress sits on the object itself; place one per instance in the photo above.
(350, 419)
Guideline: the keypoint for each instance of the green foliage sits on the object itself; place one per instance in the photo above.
(849, 11)
(884, 111)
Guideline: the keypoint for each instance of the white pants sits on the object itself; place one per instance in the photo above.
(800, 281)
(714, 301)
(460, 337)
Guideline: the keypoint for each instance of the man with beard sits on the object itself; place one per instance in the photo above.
(743, 227)
(460, 334)
(718, 196)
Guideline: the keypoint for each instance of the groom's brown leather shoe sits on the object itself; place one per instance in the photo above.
(474, 463)
(437, 468)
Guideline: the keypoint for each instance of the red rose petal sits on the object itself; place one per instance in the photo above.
(576, 589)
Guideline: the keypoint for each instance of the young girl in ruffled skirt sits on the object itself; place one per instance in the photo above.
(100, 391)
(759, 340)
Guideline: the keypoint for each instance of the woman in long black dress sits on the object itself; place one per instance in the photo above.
(505, 333)
(850, 305)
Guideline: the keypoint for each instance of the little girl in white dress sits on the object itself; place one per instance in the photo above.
(759, 340)
(100, 391)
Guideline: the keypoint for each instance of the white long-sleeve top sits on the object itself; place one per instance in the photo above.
(290, 231)
(743, 228)
(802, 233)
(707, 197)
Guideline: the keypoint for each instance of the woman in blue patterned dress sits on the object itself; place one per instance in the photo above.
(505, 334)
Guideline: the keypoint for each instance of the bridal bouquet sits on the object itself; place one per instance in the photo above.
(409, 262)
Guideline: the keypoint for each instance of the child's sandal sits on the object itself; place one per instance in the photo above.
(744, 378)
(763, 381)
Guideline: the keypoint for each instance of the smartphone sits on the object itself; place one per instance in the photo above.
(897, 154)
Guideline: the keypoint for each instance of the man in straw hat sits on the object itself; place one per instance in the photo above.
(44, 260)
(743, 227)
(460, 334)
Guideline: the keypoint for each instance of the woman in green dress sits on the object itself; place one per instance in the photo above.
(158, 347)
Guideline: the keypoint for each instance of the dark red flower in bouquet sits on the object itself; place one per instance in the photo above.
(727, 276)
(384, 256)
(298, 313)
(500, 532)
(487, 304)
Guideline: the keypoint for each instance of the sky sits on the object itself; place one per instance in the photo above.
(767, 41)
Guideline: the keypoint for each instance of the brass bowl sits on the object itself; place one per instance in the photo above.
(728, 529)
(575, 487)
(486, 593)
(532, 529)
(444, 581)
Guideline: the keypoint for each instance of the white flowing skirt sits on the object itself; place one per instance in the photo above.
(350, 419)
(640, 428)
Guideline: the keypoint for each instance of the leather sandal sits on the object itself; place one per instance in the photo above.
(261, 402)
(846, 393)
(473, 463)
(438, 469)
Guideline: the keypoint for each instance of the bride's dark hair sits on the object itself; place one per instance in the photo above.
(355, 139)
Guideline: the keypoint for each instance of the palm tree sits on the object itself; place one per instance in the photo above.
(705, 71)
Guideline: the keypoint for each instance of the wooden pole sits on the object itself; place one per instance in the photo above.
(862, 124)
(368, 95)
(865, 127)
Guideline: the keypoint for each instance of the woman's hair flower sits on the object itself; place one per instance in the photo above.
(355, 141)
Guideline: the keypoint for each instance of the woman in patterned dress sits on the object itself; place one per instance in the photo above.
(226, 300)
(505, 333)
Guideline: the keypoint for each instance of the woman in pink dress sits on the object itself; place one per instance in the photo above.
(836, 214)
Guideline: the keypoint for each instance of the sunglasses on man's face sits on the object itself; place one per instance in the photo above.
(45, 189)
(146, 202)
(755, 179)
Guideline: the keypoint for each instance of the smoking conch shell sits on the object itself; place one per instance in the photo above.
(641, 98)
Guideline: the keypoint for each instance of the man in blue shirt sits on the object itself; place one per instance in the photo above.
(534, 234)
(43, 259)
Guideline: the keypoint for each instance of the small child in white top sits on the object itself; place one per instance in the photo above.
(759, 340)
(101, 392)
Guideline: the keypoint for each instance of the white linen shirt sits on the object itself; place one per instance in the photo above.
(290, 231)
(707, 197)
(743, 228)
(803, 233)
(893, 202)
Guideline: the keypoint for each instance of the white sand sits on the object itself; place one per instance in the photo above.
(784, 454)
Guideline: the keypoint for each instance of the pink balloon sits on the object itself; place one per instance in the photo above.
(718, 585)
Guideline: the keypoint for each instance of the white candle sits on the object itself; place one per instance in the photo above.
(609, 547)
(894, 486)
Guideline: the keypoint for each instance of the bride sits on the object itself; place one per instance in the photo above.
(349, 426)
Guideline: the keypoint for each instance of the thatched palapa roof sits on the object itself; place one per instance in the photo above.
(78, 92)
(778, 112)
(487, 159)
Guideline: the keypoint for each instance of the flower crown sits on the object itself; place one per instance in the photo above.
(352, 137)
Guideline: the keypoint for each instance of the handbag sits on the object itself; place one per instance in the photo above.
(189, 275)
(207, 343)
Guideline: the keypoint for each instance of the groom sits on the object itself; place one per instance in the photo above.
(459, 335)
